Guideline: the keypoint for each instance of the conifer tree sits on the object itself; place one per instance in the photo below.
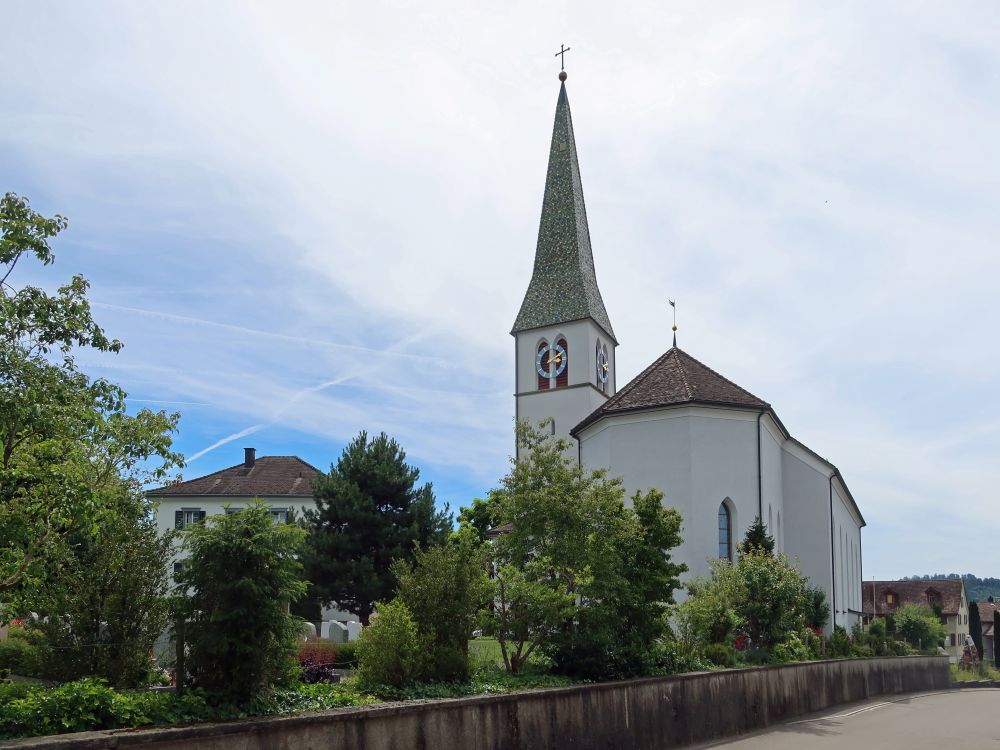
(757, 538)
(369, 512)
(976, 627)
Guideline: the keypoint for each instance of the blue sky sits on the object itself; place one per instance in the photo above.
(309, 219)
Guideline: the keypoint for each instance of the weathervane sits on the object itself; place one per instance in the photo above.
(673, 305)
(563, 49)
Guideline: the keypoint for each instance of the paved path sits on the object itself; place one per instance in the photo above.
(954, 720)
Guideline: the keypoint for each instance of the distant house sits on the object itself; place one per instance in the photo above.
(986, 610)
(283, 483)
(945, 596)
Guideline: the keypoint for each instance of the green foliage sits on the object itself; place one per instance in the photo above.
(480, 516)
(976, 627)
(369, 512)
(919, 627)
(565, 573)
(796, 647)
(445, 588)
(817, 610)
(623, 615)
(240, 575)
(23, 652)
(105, 607)
(708, 615)
(720, 654)
(347, 655)
(389, 650)
(839, 644)
(757, 539)
(63, 437)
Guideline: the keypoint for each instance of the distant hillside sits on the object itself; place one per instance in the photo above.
(977, 589)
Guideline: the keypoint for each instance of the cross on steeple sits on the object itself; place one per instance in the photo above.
(563, 49)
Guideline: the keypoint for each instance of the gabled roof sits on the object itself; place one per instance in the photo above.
(268, 477)
(911, 592)
(563, 284)
(673, 379)
(986, 610)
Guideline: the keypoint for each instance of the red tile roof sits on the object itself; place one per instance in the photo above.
(912, 592)
(270, 476)
(673, 379)
(986, 610)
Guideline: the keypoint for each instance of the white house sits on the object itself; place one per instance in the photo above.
(283, 483)
(719, 453)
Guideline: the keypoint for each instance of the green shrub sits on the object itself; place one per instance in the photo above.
(241, 573)
(839, 644)
(720, 654)
(389, 650)
(444, 589)
(794, 648)
(919, 627)
(347, 655)
(901, 648)
(23, 652)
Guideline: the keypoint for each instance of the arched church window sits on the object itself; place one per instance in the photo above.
(560, 363)
(542, 365)
(725, 532)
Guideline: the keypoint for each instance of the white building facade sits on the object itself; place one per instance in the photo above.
(720, 455)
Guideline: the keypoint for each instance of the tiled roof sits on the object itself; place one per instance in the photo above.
(673, 379)
(986, 610)
(563, 283)
(269, 476)
(911, 592)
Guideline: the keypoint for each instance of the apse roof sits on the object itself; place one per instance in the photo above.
(673, 379)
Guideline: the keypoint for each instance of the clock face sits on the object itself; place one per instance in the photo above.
(551, 361)
(602, 366)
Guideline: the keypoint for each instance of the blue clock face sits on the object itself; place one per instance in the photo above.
(602, 366)
(551, 361)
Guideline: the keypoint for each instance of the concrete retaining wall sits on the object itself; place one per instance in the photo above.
(646, 713)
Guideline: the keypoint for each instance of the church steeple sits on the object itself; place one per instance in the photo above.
(563, 284)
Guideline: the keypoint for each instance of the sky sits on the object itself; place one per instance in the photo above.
(309, 219)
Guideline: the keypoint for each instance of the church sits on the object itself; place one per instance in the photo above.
(720, 454)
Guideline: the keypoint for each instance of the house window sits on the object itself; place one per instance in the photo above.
(725, 533)
(952, 639)
(178, 567)
(187, 516)
(890, 598)
(279, 515)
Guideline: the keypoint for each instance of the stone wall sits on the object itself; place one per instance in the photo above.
(646, 713)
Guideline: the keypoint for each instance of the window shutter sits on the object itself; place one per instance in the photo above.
(179, 519)
(201, 516)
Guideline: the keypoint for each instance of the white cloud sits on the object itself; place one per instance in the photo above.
(274, 197)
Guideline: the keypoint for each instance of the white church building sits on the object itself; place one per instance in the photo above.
(720, 454)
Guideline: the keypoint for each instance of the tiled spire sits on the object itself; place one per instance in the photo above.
(563, 284)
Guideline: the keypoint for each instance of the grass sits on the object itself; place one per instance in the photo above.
(985, 672)
(485, 652)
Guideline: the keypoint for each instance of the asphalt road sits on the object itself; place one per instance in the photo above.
(957, 719)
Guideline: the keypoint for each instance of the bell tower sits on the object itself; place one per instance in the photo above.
(564, 343)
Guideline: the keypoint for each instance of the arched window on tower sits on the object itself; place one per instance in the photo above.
(542, 365)
(561, 364)
(725, 532)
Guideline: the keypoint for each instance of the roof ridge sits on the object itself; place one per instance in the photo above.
(684, 375)
(718, 374)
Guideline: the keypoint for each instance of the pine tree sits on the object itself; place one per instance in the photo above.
(976, 627)
(757, 538)
(996, 629)
(369, 512)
